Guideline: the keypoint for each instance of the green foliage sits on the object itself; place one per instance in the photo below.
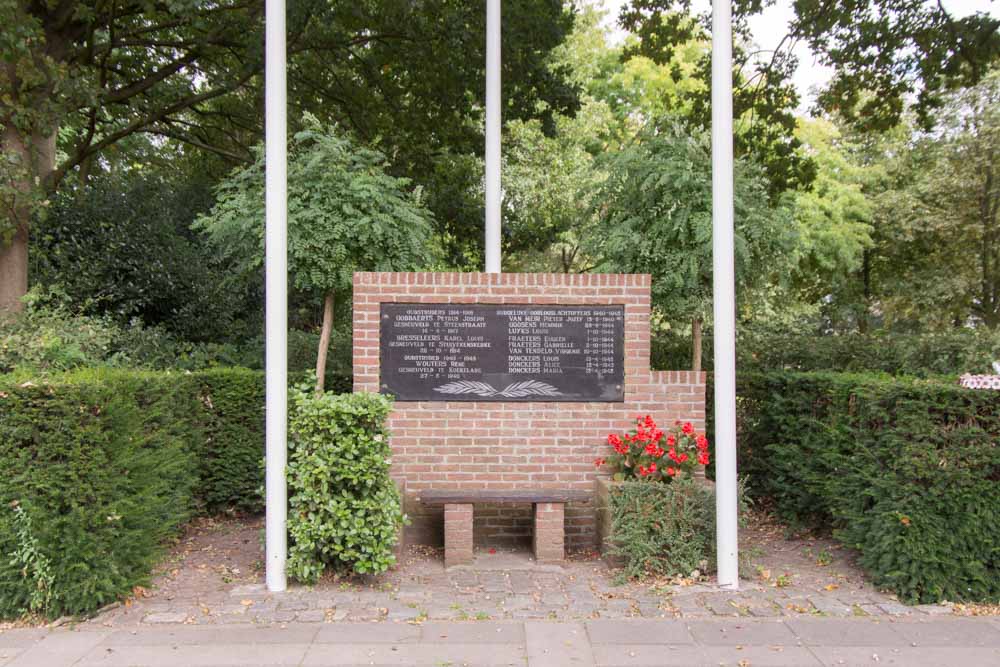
(344, 510)
(99, 472)
(345, 214)
(54, 340)
(949, 352)
(231, 451)
(906, 471)
(657, 219)
(663, 529)
(123, 248)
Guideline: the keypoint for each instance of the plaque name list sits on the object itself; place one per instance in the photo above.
(493, 352)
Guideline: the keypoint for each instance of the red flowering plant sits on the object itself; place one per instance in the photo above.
(646, 452)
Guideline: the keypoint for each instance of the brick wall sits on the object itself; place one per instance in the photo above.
(515, 445)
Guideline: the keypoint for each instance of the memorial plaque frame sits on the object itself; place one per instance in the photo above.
(490, 352)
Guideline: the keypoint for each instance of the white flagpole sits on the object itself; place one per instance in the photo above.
(724, 299)
(275, 295)
(493, 136)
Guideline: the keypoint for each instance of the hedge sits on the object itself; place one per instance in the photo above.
(102, 466)
(906, 471)
(98, 470)
(923, 355)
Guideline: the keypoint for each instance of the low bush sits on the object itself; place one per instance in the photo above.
(663, 529)
(344, 510)
(98, 472)
(906, 471)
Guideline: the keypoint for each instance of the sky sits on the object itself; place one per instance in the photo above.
(770, 26)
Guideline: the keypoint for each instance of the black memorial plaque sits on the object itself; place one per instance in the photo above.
(479, 352)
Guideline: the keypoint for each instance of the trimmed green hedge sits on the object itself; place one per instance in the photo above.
(231, 451)
(906, 471)
(98, 470)
(102, 466)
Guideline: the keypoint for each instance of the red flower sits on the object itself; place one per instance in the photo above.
(652, 467)
(703, 458)
(687, 428)
(683, 458)
(614, 440)
(702, 442)
(671, 440)
(671, 471)
(599, 462)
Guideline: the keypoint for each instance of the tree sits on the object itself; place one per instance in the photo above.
(882, 51)
(549, 187)
(940, 262)
(345, 214)
(764, 97)
(80, 77)
(834, 217)
(656, 218)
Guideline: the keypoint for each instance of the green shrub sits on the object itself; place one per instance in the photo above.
(344, 510)
(230, 456)
(906, 471)
(53, 340)
(663, 529)
(98, 472)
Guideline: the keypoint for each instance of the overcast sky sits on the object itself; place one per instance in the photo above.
(770, 26)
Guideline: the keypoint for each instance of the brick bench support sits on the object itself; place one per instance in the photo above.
(548, 510)
(549, 537)
(457, 534)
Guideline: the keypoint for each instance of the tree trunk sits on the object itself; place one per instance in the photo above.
(14, 270)
(324, 342)
(696, 344)
(37, 159)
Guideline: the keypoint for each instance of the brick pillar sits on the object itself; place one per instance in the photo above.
(550, 531)
(457, 534)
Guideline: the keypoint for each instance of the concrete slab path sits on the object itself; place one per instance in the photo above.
(965, 641)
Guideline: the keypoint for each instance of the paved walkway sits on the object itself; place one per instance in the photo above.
(914, 642)
(213, 578)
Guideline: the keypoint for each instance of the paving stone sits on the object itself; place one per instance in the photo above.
(522, 583)
(247, 590)
(421, 654)
(743, 633)
(311, 616)
(618, 607)
(721, 604)
(166, 617)
(562, 644)
(368, 633)
(845, 632)
(907, 656)
(687, 604)
(895, 609)
(463, 579)
(935, 609)
(494, 582)
(216, 654)
(472, 633)
(293, 605)
(950, 632)
(638, 631)
(403, 613)
(831, 606)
